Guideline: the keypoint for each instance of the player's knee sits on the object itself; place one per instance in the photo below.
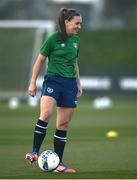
(45, 115)
(63, 126)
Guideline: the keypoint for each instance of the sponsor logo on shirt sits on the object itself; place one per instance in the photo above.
(49, 90)
(62, 45)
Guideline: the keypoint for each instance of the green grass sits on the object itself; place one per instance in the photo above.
(88, 149)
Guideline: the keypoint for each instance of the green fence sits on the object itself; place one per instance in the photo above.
(108, 51)
(15, 55)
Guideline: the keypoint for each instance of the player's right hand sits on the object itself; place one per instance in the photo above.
(32, 89)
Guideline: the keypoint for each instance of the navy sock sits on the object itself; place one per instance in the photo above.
(39, 135)
(60, 139)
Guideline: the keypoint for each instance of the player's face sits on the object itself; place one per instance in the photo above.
(74, 25)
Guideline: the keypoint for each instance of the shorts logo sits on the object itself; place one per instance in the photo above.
(49, 90)
(76, 102)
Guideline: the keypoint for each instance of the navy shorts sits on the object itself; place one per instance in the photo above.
(63, 90)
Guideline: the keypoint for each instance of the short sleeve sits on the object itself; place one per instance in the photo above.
(47, 47)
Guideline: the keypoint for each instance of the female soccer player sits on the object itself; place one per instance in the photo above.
(61, 84)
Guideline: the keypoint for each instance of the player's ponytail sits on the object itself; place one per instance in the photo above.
(61, 22)
(63, 15)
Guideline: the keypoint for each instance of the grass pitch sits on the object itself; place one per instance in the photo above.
(88, 149)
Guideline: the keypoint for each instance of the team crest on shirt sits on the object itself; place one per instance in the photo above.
(49, 90)
(75, 45)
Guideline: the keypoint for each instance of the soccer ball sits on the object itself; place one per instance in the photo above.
(48, 160)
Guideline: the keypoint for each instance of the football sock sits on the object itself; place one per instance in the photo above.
(39, 135)
(60, 139)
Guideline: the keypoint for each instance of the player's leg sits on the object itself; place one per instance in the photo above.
(46, 107)
(66, 103)
(64, 116)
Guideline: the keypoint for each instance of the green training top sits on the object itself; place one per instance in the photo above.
(62, 57)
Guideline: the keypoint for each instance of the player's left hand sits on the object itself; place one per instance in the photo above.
(79, 94)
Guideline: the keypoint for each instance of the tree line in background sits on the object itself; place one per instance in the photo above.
(115, 11)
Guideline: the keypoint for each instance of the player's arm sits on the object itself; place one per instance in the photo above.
(36, 68)
(78, 81)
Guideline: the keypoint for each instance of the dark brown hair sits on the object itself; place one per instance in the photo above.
(65, 14)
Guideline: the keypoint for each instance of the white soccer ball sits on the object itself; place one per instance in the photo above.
(48, 160)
